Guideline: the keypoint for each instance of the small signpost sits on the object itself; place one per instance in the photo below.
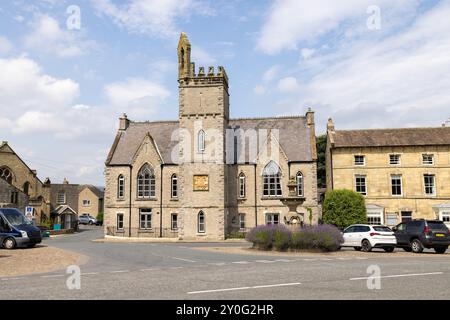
(29, 213)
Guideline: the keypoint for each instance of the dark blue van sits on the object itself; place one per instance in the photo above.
(16, 230)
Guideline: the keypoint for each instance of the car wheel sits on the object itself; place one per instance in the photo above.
(407, 249)
(389, 249)
(440, 250)
(416, 246)
(357, 248)
(91, 223)
(366, 246)
(9, 243)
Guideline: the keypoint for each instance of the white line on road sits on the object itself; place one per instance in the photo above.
(89, 273)
(265, 261)
(53, 276)
(181, 259)
(399, 275)
(247, 288)
(175, 268)
(284, 260)
(217, 263)
(119, 271)
(149, 269)
(241, 262)
(17, 278)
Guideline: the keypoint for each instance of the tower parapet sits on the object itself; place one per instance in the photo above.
(187, 71)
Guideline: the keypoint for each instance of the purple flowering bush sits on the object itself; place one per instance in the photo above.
(266, 237)
(324, 238)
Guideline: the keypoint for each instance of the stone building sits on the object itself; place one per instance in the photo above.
(206, 176)
(403, 174)
(25, 188)
(68, 201)
(12, 197)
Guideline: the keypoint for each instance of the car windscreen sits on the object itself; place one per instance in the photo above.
(382, 229)
(436, 225)
(15, 218)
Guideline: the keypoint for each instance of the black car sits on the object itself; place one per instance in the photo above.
(416, 235)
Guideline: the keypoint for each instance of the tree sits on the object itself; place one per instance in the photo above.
(343, 208)
(321, 144)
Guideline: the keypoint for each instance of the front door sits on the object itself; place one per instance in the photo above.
(400, 234)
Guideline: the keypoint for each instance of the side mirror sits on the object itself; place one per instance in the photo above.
(394, 229)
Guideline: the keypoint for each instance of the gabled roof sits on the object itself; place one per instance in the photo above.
(294, 137)
(392, 137)
(63, 208)
(99, 193)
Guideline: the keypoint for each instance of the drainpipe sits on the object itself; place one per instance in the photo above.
(331, 168)
(131, 195)
(160, 203)
(256, 198)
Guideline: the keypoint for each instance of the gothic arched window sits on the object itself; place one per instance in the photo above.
(272, 180)
(6, 174)
(146, 182)
(299, 180)
(201, 141)
(121, 187)
(174, 186)
(201, 222)
(241, 185)
(26, 188)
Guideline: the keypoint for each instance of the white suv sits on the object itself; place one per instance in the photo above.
(365, 237)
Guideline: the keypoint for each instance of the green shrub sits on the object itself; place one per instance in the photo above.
(100, 217)
(343, 208)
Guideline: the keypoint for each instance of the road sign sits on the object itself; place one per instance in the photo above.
(29, 212)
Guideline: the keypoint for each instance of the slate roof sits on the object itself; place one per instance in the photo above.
(294, 137)
(392, 137)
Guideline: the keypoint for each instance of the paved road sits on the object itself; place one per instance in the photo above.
(178, 271)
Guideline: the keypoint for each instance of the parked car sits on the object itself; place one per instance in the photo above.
(365, 237)
(86, 219)
(16, 230)
(416, 235)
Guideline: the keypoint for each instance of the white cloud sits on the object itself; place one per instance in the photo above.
(307, 53)
(388, 82)
(138, 97)
(271, 73)
(47, 36)
(24, 86)
(5, 45)
(156, 18)
(288, 84)
(292, 21)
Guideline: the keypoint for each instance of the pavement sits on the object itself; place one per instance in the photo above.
(182, 271)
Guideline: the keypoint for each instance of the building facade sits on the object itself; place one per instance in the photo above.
(403, 174)
(25, 188)
(207, 176)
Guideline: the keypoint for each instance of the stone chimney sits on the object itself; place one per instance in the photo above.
(65, 181)
(124, 122)
(310, 117)
(330, 125)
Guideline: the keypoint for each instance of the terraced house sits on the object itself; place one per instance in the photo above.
(206, 176)
(403, 174)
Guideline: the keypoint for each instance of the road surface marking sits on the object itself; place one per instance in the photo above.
(326, 259)
(181, 259)
(149, 269)
(89, 273)
(308, 259)
(360, 258)
(247, 288)
(265, 261)
(174, 268)
(53, 276)
(17, 278)
(284, 260)
(399, 275)
(241, 262)
(119, 271)
(217, 263)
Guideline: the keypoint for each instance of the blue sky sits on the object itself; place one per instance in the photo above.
(63, 89)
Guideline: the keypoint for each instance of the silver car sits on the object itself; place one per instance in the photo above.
(87, 219)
